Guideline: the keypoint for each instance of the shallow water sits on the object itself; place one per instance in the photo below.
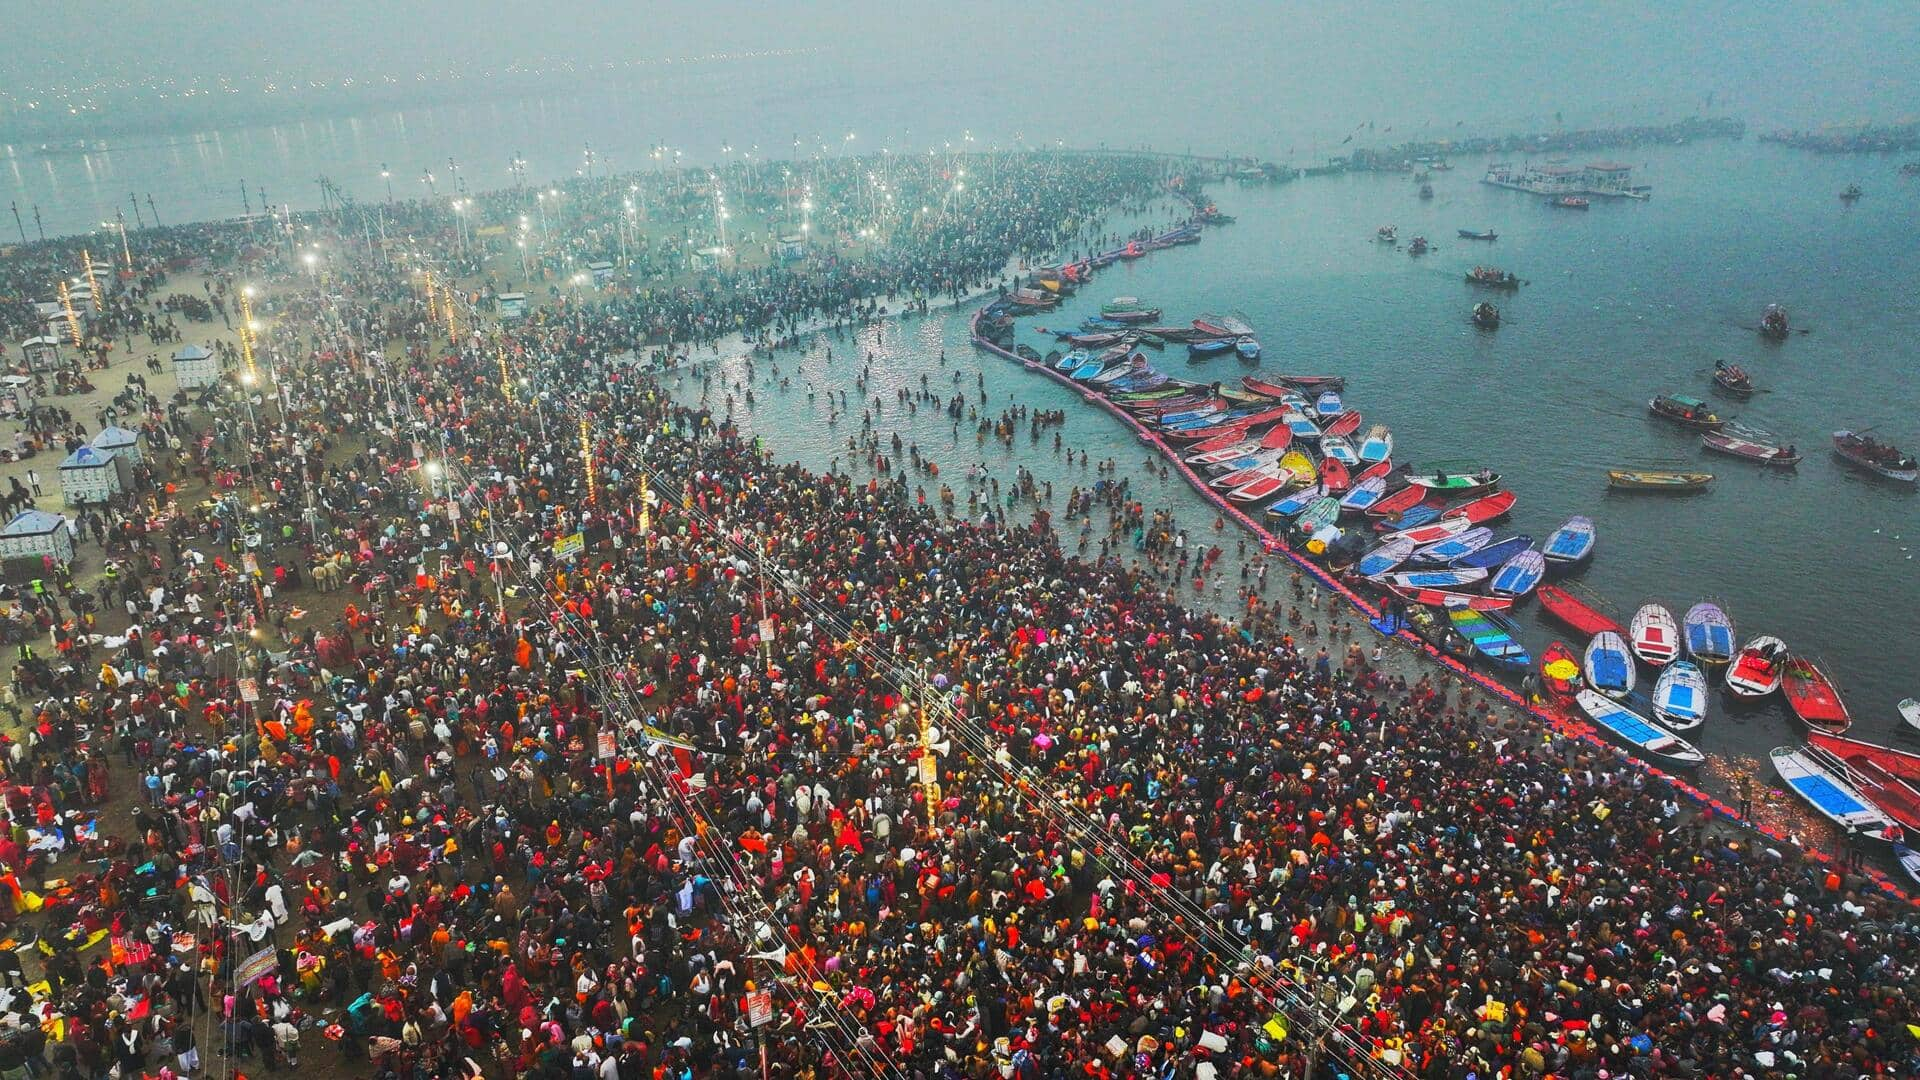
(1623, 302)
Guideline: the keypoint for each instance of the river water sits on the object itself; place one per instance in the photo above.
(1624, 301)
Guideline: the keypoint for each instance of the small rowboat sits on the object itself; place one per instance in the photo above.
(1206, 455)
(1343, 425)
(1812, 697)
(1363, 495)
(1709, 634)
(1686, 411)
(1655, 635)
(1339, 449)
(1577, 612)
(1285, 384)
(1732, 379)
(1671, 482)
(1377, 445)
(1247, 348)
(1572, 543)
(1774, 457)
(1559, 670)
(1263, 487)
(1436, 531)
(1334, 474)
(1496, 553)
(1486, 508)
(1644, 735)
(1206, 350)
(1457, 483)
(1864, 452)
(1441, 598)
(1141, 397)
(1323, 512)
(1265, 463)
(1297, 502)
(1433, 579)
(1445, 550)
(1493, 636)
(1278, 437)
(1755, 671)
(1328, 404)
(1888, 777)
(1301, 466)
(1424, 514)
(1399, 502)
(1302, 427)
(1609, 667)
(1519, 575)
(1384, 557)
(1680, 697)
(1822, 780)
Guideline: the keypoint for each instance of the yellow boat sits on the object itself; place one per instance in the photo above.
(1301, 466)
(1658, 481)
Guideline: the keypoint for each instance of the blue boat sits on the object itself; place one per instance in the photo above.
(1297, 501)
(1494, 554)
(1493, 637)
(1434, 579)
(1828, 783)
(1519, 575)
(1609, 666)
(1363, 495)
(1637, 731)
(1455, 546)
(1201, 413)
(1248, 348)
(1328, 404)
(1385, 557)
(1087, 370)
(1571, 543)
(1415, 516)
(1302, 426)
(1709, 634)
(1073, 359)
(1210, 348)
(1680, 697)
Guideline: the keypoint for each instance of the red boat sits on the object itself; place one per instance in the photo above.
(1211, 329)
(1221, 442)
(1560, 670)
(1278, 437)
(1343, 425)
(1381, 469)
(1335, 476)
(1575, 611)
(1811, 696)
(1293, 384)
(1441, 598)
(1888, 777)
(1398, 503)
(1488, 508)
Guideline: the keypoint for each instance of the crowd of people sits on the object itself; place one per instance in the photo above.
(486, 711)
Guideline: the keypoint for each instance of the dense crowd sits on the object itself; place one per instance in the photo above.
(565, 767)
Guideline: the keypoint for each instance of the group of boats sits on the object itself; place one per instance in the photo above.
(1724, 435)
(1122, 327)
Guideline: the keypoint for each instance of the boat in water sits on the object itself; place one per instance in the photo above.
(1579, 613)
(1823, 782)
(1418, 246)
(1865, 452)
(1653, 480)
(1813, 698)
(1774, 323)
(1456, 483)
(1708, 633)
(1888, 777)
(1609, 666)
(1645, 736)
(1492, 277)
(1247, 349)
(1571, 544)
(1559, 670)
(1732, 379)
(1486, 316)
(1756, 668)
(1850, 193)
(1519, 575)
(1490, 507)
(1377, 445)
(1680, 697)
(1433, 579)
(1493, 636)
(1760, 453)
(1384, 557)
(1655, 635)
(1387, 234)
(1209, 348)
(1687, 411)
(1570, 202)
(1469, 234)
(1443, 598)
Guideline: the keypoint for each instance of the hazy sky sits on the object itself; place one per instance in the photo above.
(1769, 61)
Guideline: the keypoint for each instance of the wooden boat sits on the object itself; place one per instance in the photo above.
(1559, 670)
(1130, 369)
(1447, 549)
(1418, 246)
(1655, 635)
(1301, 466)
(1122, 305)
(1457, 483)
(1328, 404)
(1286, 384)
(1262, 487)
(1383, 558)
(1213, 325)
(1519, 575)
(1334, 474)
(1686, 411)
(1298, 501)
(1399, 502)
(1709, 634)
(1302, 426)
(1342, 426)
(1263, 466)
(1207, 454)
(1577, 613)
(1432, 579)
(1493, 636)
(1486, 316)
(1645, 736)
(1822, 781)
(1363, 494)
(1865, 452)
(1318, 515)
(1141, 397)
(1491, 277)
(1774, 324)
(1212, 410)
(1073, 359)
(1247, 349)
(1469, 234)
(1442, 598)
(1277, 437)
(1570, 544)
(1209, 348)
(1680, 697)
(1430, 624)
(1434, 531)
(1777, 457)
(1812, 697)
(1339, 449)
(1495, 554)
(1732, 379)
(1888, 777)
(1426, 512)
(1756, 668)
(1672, 482)
(1377, 445)
(1486, 508)
(1570, 202)
(1609, 666)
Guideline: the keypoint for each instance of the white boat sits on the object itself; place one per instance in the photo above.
(1655, 634)
(1637, 731)
(1910, 712)
(1680, 697)
(1608, 665)
(1756, 669)
(1825, 782)
(1377, 445)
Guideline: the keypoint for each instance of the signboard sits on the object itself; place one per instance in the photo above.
(256, 967)
(569, 545)
(760, 1008)
(249, 689)
(607, 747)
(766, 629)
(513, 305)
(929, 768)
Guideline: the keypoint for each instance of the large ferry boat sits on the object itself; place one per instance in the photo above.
(1605, 178)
